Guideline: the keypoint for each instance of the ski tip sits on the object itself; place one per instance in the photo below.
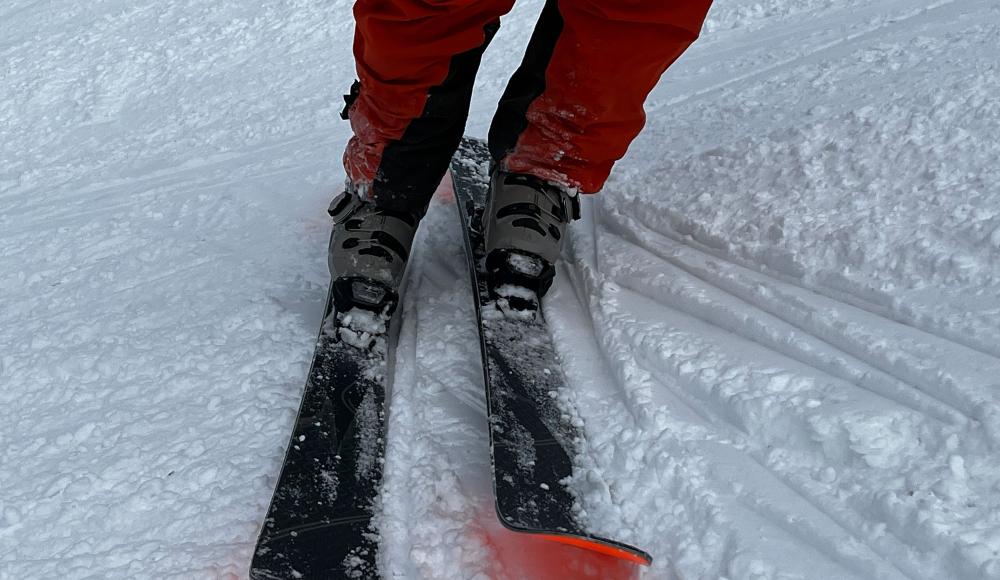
(600, 547)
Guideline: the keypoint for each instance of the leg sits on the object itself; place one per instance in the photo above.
(416, 62)
(568, 113)
(574, 105)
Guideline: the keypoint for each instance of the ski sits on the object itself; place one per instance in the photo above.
(532, 440)
(319, 523)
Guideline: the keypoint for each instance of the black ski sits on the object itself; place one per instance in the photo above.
(532, 439)
(319, 523)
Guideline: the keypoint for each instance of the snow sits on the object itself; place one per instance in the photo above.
(363, 329)
(781, 318)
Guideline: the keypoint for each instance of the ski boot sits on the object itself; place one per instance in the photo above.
(525, 224)
(369, 247)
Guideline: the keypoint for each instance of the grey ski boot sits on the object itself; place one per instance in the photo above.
(525, 225)
(369, 247)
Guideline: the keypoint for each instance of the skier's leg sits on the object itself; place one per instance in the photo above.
(574, 105)
(568, 113)
(416, 61)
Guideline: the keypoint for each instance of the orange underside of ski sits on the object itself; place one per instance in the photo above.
(598, 547)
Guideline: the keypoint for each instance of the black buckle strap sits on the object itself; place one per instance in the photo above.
(349, 99)
(574, 206)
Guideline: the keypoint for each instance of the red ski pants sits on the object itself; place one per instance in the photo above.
(568, 113)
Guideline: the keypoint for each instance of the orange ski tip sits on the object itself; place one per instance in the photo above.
(598, 547)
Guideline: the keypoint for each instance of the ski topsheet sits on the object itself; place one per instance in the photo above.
(319, 523)
(532, 440)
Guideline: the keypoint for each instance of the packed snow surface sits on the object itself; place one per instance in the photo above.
(781, 319)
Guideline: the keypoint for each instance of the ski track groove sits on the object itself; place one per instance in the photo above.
(138, 198)
(136, 191)
(21, 9)
(186, 269)
(436, 418)
(189, 169)
(629, 414)
(804, 528)
(740, 433)
(799, 57)
(897, 562)
(574, 404)
(947, 415)
(110, 298)
(850, 522)
(394, 424)
(711, 414)
(578, 286)
(118, 548)
(712, 418)
(844, 297)
(859, 358)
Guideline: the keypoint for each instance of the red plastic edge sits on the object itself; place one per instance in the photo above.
(597, 547)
